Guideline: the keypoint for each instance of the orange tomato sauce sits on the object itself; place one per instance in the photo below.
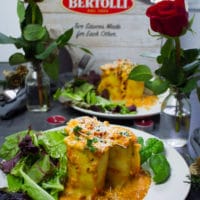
(144, 101)
(135, 189)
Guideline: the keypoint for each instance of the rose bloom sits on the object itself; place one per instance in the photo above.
(168, 17)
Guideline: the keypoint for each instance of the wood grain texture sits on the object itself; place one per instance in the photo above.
(109, 37)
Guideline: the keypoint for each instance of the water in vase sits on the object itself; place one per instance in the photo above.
(34, 102)
(174, 129)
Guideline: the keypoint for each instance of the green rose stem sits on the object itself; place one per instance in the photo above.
(178, 51)
(178, 57)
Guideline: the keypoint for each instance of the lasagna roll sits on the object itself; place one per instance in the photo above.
(98, 153)
(87, 165)
(122, 155)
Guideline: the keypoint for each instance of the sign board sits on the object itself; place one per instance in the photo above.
(120, 32)
(111, 36)
(98, 7)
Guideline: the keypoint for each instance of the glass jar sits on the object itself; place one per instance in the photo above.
(175, 119)
(37, 85)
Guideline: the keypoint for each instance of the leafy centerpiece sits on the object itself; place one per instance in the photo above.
(178, 69)
(39, 49)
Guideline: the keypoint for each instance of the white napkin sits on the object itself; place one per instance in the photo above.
(3, 180)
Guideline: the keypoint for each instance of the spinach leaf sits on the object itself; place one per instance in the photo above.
(160, 167)
(152, 146)
(152, 153)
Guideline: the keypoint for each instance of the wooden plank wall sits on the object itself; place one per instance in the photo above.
(109, 37)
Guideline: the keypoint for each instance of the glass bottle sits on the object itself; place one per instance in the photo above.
(175, 119)
(37, 85)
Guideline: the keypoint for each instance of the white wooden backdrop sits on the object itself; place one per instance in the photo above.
(129, 35)
(127, 39)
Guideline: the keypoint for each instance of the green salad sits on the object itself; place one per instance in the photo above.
(35, 163)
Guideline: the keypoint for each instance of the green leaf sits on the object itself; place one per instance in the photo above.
(6, 40)
(10, 147)
(64, 38)
(54, 186)
(14, 183)
(91, 97)
(189, 55)
(191, 84)
(20, 43)
(166, 50)
(17, 58)
(190, 24)
(52, 68)
(86, 50)
(161, 168)
(52, 142)
(167, 47)
(32, 189)
(34, 32)
(191, 66)
(20, 11)
(140, 73)
(151, 146)
(40, 47)
(47, 51)
(40, 169)
(33, 15)
(157, 85)
(169, 70)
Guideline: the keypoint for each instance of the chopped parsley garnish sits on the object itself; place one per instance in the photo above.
(76, 130)
(90, 145)
(124, 133)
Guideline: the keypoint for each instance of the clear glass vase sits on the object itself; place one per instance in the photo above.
(175, 119)
(37, 85)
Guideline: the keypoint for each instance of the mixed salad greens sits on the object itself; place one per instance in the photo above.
(82, 92)
(35, 163)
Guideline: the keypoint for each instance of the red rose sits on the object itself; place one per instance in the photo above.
(168, 17)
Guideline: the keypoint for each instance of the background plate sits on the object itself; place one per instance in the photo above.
(141, 111)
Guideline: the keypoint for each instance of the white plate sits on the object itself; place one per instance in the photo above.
(176, 187)
(141, 111)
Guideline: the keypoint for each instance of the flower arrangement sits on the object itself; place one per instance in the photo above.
(35, 41)
(179, 68)
(39, 49)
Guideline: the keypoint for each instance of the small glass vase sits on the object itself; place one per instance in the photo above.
(37, 85)
(175, 119)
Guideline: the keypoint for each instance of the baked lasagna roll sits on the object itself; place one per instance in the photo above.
(98, 152)
(114, 79)
(124, 159)
(87, 161)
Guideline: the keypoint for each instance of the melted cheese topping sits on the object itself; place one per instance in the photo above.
(90, 128)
